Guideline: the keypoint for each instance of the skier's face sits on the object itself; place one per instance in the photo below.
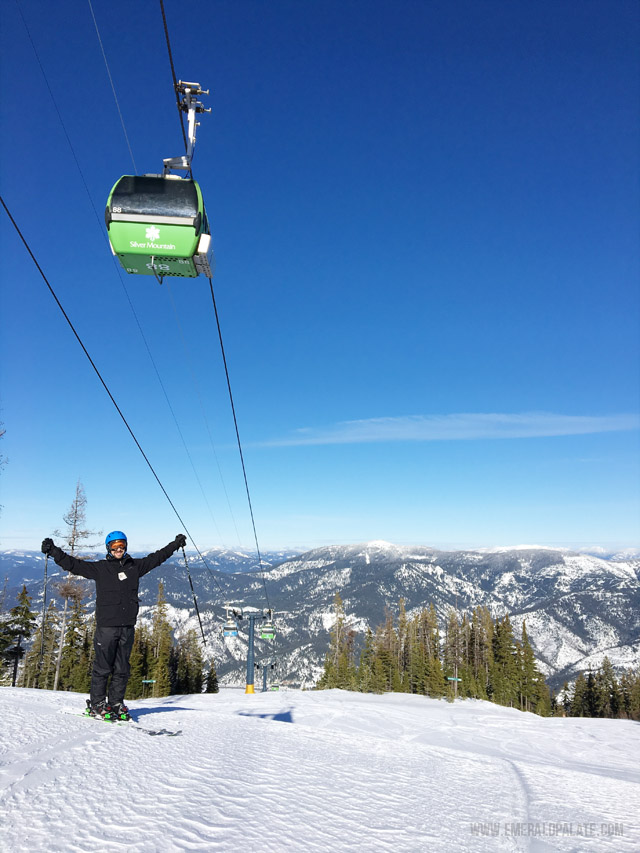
(118, 548)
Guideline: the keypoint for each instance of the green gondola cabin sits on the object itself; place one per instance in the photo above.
(267, 631)
(158, 226)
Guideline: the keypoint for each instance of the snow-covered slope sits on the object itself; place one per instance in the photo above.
(312, 772)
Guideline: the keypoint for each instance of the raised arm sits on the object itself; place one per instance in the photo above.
(65, 561)
(152, 561)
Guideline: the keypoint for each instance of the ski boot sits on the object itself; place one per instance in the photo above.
(120, 711)
(99, 710)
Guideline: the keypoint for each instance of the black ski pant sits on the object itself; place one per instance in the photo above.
(113, 649)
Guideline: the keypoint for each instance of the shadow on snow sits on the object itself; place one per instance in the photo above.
(282, 717)
(136, 713)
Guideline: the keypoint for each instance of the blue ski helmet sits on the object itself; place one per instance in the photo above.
(114, 536)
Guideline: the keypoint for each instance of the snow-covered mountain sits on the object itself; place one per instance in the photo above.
(12, 563)
(578, 607)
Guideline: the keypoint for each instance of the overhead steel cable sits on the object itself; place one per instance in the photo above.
(118, 267)
(124, 129)
(173, 74)
(224, 358)
(202, 409)
(177, 425)
(193, 593)
(235, 423)
(113, 88)
(55, 105)
(105, 386)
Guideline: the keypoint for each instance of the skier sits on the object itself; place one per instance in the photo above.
(117, 578)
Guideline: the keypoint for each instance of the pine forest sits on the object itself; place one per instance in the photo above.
(59, 655)
(468, 656)
(474, 656)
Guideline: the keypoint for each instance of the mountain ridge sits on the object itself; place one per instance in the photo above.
(577, 606)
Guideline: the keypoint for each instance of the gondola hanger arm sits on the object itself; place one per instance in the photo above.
(190, 105)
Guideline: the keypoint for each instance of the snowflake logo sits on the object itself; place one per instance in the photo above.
(152, 233)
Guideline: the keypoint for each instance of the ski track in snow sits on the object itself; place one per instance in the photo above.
(311, 771)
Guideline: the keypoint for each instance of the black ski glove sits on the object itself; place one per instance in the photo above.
(180, 540)
(47, 545)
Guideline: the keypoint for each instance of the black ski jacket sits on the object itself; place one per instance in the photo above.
(116, 582)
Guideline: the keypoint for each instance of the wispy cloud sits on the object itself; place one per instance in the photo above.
(457, 427)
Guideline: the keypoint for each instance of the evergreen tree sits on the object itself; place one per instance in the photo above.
(385, 669)
(6, 640)
(626, 688)
(487, 658)
(403, 651)
(592, 701)
(503, 670)
(47, 674)
(212, 679)
(564, 707)
(379, 675)
(75, 654)
(485, 626)
(69, 589)
(634, 695)
(579, 701)
(138, 662)
(339, 670)
(392, 655)
(434, 683)
(6, 636)
(467, 686)
(452, 651)
(80, 677)
(22, 619)
(608, 691)
(5, 645)
(161, 643)
(602, 694)
(186, 664)
(415, 665)
(16, 630)
(365, 670)
(373, 672)
(528, 682)
(39, 666)
(193, 651)
(177, 671)
(546, 704)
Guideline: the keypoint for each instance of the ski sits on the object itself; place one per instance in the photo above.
(138, 728)
(130, 723)
(135, 727)
(155, 732)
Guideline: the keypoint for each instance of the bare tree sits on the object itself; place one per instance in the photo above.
(75, 520)
(73, 538)
(69, 588)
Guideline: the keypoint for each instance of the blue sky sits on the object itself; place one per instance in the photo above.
(425, 218)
